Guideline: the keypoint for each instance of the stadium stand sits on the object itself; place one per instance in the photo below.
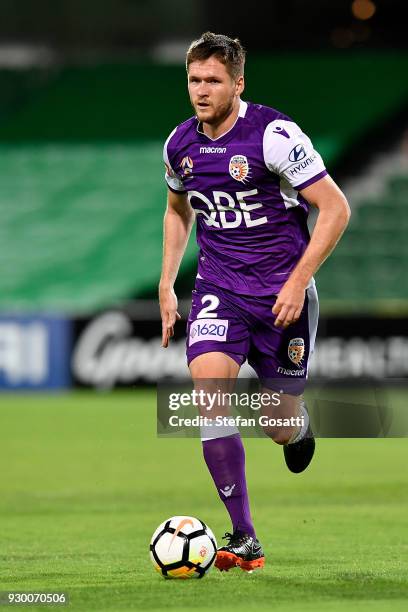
(81, 195)
(80, 225)
(370, 265)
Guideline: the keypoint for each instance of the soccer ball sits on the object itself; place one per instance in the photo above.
(183, 547)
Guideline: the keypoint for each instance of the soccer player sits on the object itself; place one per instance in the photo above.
(248, 175)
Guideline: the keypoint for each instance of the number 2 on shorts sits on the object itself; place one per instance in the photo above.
(208, 311)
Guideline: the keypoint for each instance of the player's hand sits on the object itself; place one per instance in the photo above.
(169, 314)
(289, 304)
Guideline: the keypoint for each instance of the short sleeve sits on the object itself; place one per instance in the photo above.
(172, 179)
(289, 153)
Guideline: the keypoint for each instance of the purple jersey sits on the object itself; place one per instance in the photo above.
(243, 186)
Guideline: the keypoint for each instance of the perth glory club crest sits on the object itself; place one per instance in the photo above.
(296, 350)
(239, 168)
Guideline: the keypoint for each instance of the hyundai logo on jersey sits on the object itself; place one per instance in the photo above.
(297, 153)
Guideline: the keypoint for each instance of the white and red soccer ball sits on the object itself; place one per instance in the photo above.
(183, 547)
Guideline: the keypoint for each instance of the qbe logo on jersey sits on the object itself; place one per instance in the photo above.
(239, 168)
(214, 330)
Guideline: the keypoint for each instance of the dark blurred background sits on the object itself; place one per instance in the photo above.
(140, 26)
(89, 93)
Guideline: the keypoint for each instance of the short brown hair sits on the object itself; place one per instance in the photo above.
(227, 50)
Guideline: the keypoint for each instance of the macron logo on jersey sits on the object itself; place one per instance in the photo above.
(213, 149)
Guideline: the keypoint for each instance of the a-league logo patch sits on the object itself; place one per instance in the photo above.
(239, 168)
(187, 165)
(296, 350)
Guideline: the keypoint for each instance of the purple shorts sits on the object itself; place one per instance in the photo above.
(243, 328)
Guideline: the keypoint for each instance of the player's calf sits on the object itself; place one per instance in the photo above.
(280, 435)
(284, 420)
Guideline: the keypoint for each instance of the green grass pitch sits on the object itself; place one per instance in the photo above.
(84, 483)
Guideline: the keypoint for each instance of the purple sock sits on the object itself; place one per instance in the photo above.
(225, 458)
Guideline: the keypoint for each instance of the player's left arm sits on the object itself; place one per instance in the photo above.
(332, 219)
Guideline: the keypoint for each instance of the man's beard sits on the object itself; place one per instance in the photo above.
(220, 114)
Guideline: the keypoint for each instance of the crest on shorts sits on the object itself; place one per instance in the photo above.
(239, 168)
(296, 350)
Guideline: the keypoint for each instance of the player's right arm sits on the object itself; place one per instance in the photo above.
(178, 221)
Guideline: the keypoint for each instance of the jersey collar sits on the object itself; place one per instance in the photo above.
(241, 113)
